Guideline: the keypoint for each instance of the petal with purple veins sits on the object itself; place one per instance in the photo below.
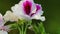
(27, 7)
(38, 7)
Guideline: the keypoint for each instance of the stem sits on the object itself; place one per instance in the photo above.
(42, 28)
(25, 29)
(19, 28)
(39, 29)
(22, 29)
(19, 31)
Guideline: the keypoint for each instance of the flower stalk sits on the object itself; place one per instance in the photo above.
(22, 27)
(39, 29)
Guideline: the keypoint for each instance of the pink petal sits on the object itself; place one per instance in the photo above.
(38, 13)
(2, 28)
(5, 28)
(27, 7)
(3, 32)
(38, 7)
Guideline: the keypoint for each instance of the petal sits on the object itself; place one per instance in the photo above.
(5, 28)
(33, 6)
(28, 3)
(38, 10)
(1, 20)
(24, 17)
(3, 32)
(17, 9)
(38, 17)
(9, 16)
(42, 18)
(38, 7)
(27, 7)
(38, 13)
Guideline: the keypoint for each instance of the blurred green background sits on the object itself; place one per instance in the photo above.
(51, 10)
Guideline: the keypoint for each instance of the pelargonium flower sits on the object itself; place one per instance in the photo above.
(3, 29)
(27, 9)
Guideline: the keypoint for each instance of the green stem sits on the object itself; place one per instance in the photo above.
(39, 29)
(42, 28)
(25, 29)
(19, 29)
(22, 29)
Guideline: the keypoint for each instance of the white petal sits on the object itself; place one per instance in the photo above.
(33, 7)
(24, 17)
(9, 16)
(18, 9)
(0, 15)
(40, 12)
(3, 32)
(1, 20)
(38, 17)
(42, 18)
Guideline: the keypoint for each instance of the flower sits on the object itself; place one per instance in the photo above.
(27, 9)
(3, 29)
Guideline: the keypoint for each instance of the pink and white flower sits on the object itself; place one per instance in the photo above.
(27, 9)
(3, 29)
